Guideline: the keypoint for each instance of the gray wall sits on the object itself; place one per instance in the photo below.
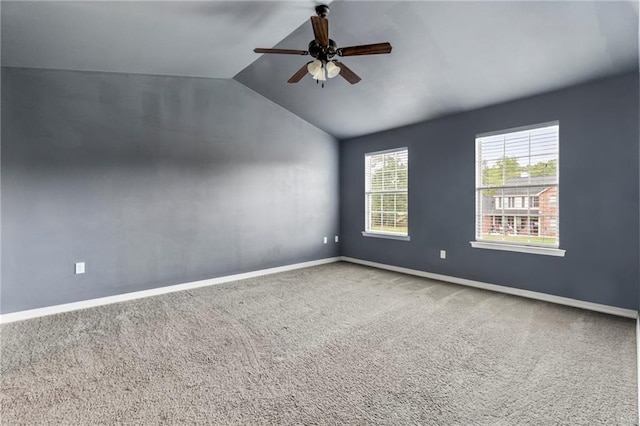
(153, 181)
(598, 195)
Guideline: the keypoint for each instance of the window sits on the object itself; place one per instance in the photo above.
(521, 167)
(535, 202)
(518, 204)
(386, 198)
(511, 202)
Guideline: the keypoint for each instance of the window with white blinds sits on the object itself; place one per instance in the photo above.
(517, 194)
(386, 200)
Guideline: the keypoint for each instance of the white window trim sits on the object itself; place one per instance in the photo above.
(380, 234)
(548, 251)
(387, 236)
(518, 129)
(506, 246)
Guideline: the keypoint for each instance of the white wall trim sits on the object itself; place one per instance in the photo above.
(549, 251)
(613, 310)
(386, 235)
(519, 129)
(638, 361)
(67, 307)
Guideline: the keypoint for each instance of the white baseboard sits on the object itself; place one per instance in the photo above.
(638, 362)
(613, 310)
(50, 310)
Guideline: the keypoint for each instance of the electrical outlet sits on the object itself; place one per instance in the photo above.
(443, 254)
(80, 268)
(326, 240)
(336, 239)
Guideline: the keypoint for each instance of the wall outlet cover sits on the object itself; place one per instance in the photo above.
(80, 268)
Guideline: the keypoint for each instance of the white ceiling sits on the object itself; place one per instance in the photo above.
(185, 38)
(448, 56)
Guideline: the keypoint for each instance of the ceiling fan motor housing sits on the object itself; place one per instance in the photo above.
(323, 53)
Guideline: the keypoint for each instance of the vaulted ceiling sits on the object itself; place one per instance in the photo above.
(447, 56)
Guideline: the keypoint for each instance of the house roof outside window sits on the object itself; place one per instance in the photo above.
(534, 186)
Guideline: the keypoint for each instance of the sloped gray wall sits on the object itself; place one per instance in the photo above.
(598, 195)
(153, 181)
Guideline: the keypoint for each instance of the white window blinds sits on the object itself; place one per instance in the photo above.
(517, 193)
(386, 198)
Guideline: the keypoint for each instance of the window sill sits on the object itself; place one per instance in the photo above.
(547, 251)
(387, 236)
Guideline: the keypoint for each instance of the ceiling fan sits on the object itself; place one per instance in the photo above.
(323, 49)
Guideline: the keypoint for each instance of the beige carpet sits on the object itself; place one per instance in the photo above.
(334, 344)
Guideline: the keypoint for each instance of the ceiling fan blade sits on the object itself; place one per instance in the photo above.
(365, 49)
(298, 75)
(320, 30)
(283, 51)
(347, 74)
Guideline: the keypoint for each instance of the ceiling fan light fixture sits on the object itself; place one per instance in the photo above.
(315, 68)
(332, 69)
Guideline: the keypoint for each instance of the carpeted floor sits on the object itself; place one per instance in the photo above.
(333, 344)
